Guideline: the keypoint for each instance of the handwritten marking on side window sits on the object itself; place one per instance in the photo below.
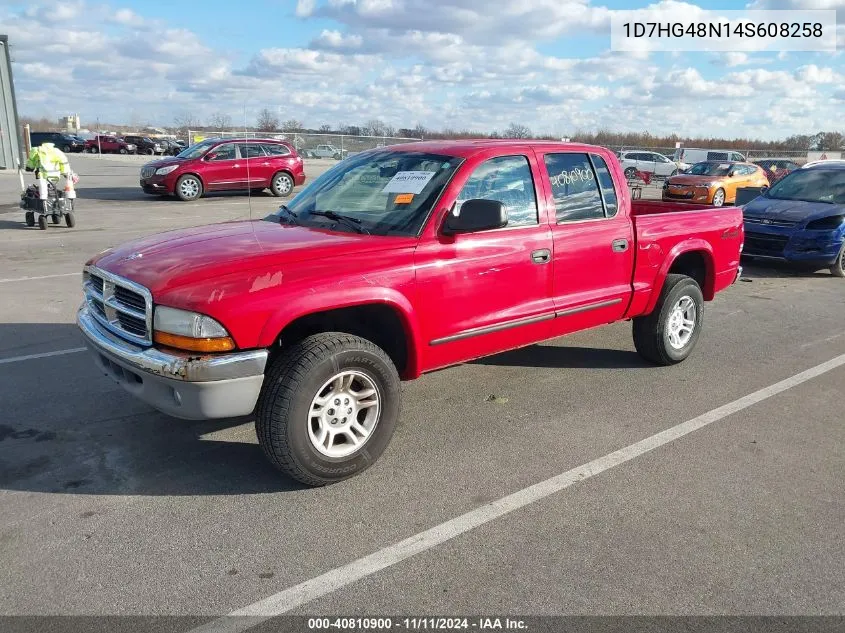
(576, 174)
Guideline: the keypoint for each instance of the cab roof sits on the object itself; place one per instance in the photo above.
(467, 147)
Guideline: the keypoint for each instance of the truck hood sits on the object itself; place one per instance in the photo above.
(168, 260)
(790, 210)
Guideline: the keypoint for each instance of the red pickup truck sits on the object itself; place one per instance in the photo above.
(106, 144)
(397, 262)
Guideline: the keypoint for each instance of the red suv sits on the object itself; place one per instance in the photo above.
(108, 144)
(225, 165)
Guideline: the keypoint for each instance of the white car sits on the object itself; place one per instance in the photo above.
(634, 160)
(325, 151)
(826, 161)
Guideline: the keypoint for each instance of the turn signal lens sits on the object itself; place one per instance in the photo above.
(222, 344)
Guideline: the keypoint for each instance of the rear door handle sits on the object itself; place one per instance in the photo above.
(620, 245)
(542, 256)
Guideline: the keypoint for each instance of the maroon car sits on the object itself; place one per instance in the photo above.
(107, 144)
(776, 168)
(226, 165)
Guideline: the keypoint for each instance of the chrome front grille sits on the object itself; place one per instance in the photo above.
(122, 306)
(148, 172)
(769, 222)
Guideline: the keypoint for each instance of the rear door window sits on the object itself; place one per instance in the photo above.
(717, 156)
(608, 190)
(250, 150)
(574, 187)
(275, 150)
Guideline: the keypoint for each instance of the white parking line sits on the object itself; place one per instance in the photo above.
(340, 577)
(5, 281)
(61, 352)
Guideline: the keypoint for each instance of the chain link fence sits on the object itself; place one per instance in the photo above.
(311, 145)
(751, 154)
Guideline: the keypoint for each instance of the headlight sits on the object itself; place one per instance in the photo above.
(826, 224)
(191, 331)
(163, 171)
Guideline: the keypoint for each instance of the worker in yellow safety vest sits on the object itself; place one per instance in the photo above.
(48, 162)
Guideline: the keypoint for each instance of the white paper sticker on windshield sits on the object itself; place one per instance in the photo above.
(408, 182)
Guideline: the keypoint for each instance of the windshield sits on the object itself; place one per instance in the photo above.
(710, 169)
(811, 185)
(385, 192)
(195, 151)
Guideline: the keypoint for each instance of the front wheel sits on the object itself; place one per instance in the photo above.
(30, 218)
(719, 198)
(630, 173)
(70, 220)
(55, 218)
(188, 188)
(282, 184)
(123, 150)
(837, 269)
(328, 408)
(668, 335)
(42, 222)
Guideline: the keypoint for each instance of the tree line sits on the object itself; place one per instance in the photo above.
(268, 121)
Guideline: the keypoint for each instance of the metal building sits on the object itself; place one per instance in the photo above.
(10, 139)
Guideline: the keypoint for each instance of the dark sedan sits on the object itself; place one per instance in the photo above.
(800, 219)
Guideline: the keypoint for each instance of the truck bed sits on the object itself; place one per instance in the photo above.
(663, 229)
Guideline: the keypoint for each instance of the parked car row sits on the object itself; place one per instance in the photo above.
(66, 142)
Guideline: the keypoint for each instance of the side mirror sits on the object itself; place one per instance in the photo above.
(476, 215)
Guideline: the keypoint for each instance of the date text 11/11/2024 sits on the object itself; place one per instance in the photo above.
(417, 624)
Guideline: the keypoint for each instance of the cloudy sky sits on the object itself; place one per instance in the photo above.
(477, 64)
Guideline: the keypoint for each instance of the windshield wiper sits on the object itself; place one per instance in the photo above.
(352, 223)
(290, 214)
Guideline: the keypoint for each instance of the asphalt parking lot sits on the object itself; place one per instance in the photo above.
(108, 507)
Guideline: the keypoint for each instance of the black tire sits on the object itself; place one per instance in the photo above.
(183, 192)
(630, 173)
(42, 222)
(293, 380)
(719, 201)
(93, 150)
(123, 150)
(651, 334)
(150, 152)
(55, 218)
(338, 157)
(66, 149)
(30, 218)
(70, 220)
(282, 184)
(837, 269)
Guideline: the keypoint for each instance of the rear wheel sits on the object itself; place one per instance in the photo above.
(70, 220)
(150, 152)
(719, 198)
(282, 184)
(328, 408)
(55, 218)
(837, 269)
(66, 149)
(188, 188)
(30, 218)
(42, 222)
(630, 173)
(668, 335)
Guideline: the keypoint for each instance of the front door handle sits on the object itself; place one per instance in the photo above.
(542, 256)
(620, 245)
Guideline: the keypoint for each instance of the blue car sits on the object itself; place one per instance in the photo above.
(800, 219)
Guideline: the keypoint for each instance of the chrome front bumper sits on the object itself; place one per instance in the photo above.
(184, 385)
